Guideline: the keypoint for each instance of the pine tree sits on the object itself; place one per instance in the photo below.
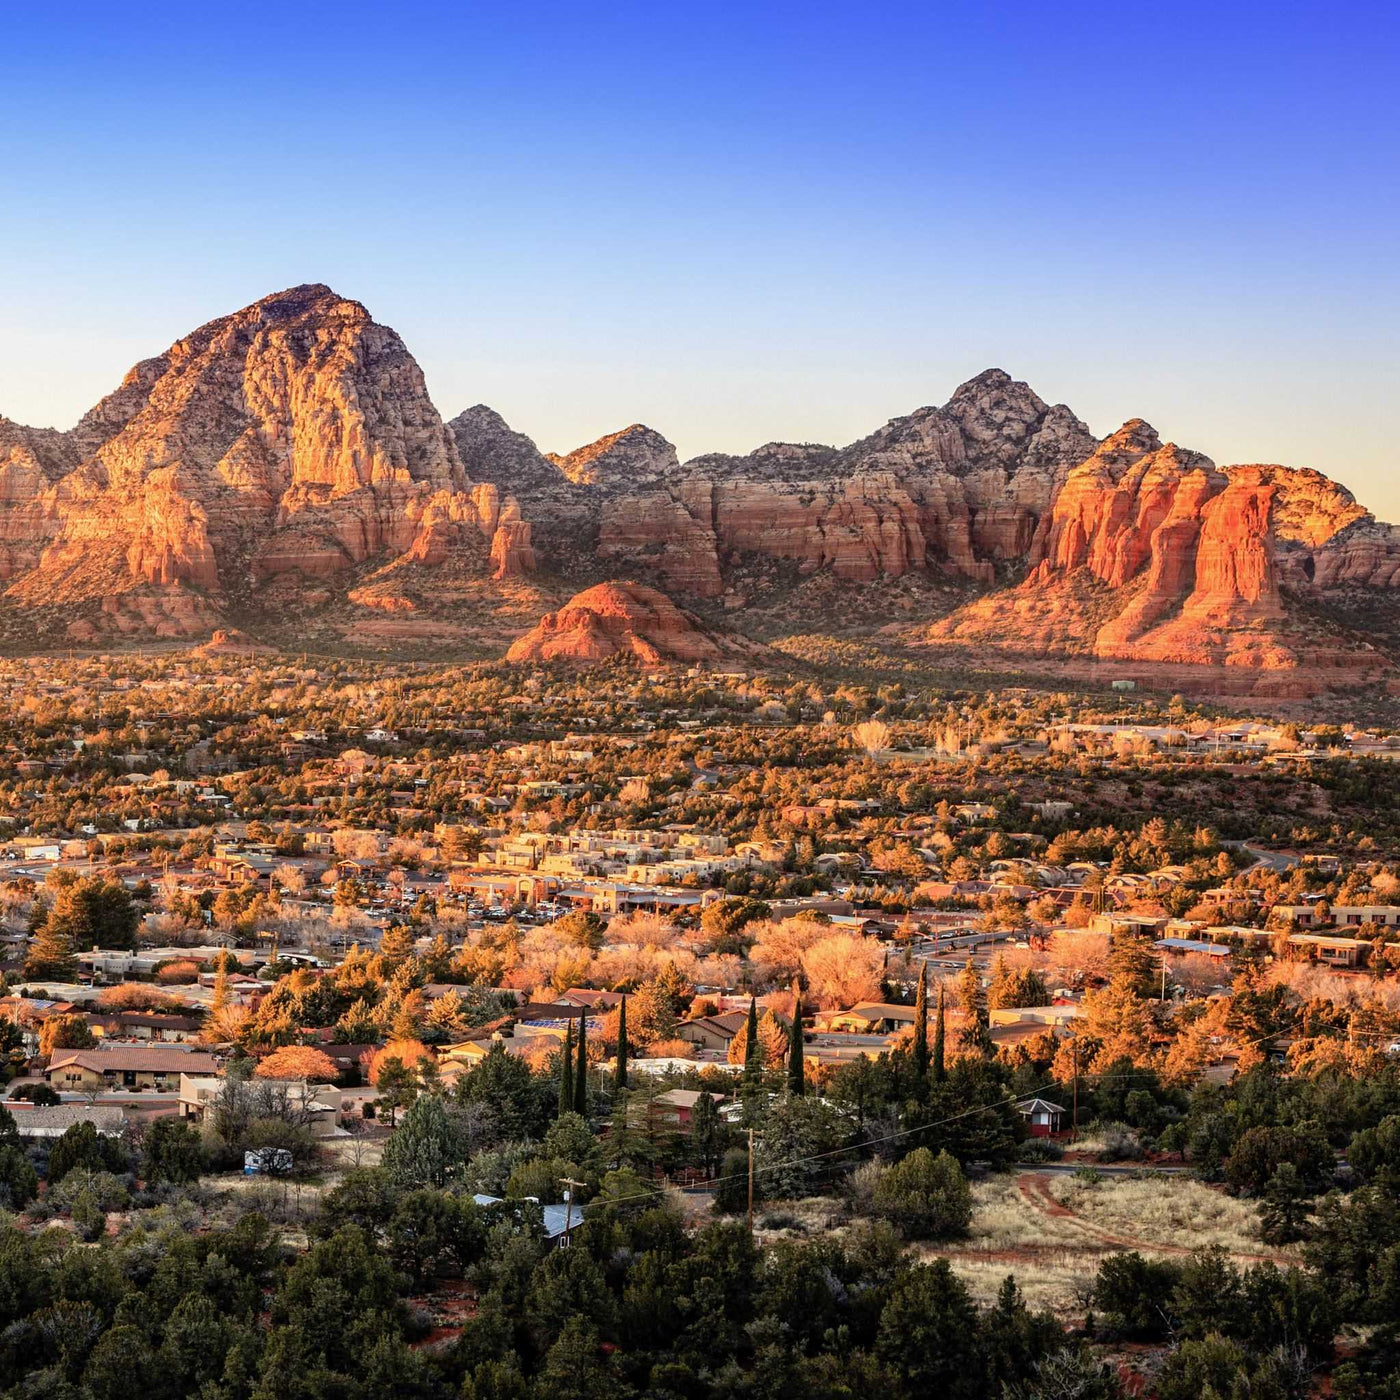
(940, 1036)
(796, 1066)
(973, 1002)
(921, 1025)
(620, 1079)
(581, 1077)
(566, 1072)
(50, 954)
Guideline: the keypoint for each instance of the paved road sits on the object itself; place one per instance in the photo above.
(1275, 860)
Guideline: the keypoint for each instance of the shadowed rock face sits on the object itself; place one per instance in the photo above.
(624, 619)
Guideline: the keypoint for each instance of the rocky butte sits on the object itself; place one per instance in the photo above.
(283, 471)
(625, 619)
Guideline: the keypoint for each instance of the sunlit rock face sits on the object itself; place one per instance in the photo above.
(624, 619)
(287, 461)
(295, 436)
(1151, 553)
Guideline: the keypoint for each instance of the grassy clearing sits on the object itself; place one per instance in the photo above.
(1052, 1231)
(1168, 1210)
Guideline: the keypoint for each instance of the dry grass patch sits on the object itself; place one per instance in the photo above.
(1052, 1231)
(1171, 1211)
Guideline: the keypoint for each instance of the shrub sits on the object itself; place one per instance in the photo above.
(88, 1216)
(925, 1197)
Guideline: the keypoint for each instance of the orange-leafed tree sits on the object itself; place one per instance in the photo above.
(410, 1053)
(297, 1062)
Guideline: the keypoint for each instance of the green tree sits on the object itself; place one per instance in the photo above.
(706, 1133)
(398, 1086)
(566, 1071)
(172, 1152)
(92, 912)
(81, 1146)
(426, 1149)
(620, 1078)
(972, 1000)
(940, 1041)
(920, 1050)
(925, 1197)
(581, 1067)
(928, 1333)
(583, 928)
(574, 1368)
(797, 1055)
(1283, 1213)
(19, 1182)
(753, 1047)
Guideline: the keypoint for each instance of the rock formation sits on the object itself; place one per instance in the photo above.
(958, 488)
(285, 464)
(1153, 554)
(624, 619)
(295, 436)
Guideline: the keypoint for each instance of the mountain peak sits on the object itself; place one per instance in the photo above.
(628, 455)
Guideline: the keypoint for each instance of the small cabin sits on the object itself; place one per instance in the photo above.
(1043, 1118)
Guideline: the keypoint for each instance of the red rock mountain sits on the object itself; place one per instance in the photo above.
(293, 439)
(958, 488)
(1152, 554)
(282, 470)
(625, 619)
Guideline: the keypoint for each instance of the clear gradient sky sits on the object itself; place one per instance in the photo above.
(735, 221)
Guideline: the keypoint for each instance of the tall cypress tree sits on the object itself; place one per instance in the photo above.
(620, 1079)
(753, 1051)
(566, 1071)
(939, 1036)
(581, 1079)
(796, 1068)
(921, 1025)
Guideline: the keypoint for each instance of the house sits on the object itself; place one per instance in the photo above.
(55, 1120)
(1341, 952)
(156, 1026)
(871, 1017)
(558, 1220)
(1043, 1118)
(1180, 947)
(676, 1107)
(131, 1067)
(594, 1001)
(712, 1032)
(1150, 925)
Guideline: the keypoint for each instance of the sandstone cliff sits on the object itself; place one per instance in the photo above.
(1153, 554)
(959, 489)
(624, 619)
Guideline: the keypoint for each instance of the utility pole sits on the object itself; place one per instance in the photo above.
(750, 1181)
(569, 1183)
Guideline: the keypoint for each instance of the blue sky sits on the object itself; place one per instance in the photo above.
(735, 222)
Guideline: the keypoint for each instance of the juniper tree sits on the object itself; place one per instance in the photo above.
(620, 1078)
(581, 1075)
(940, 1036)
